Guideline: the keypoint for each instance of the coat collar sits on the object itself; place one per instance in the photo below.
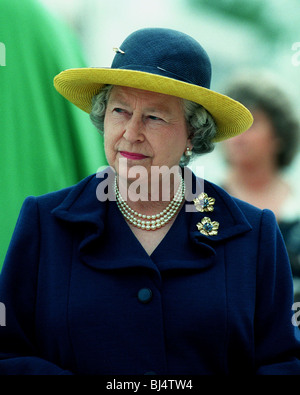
(87, 204)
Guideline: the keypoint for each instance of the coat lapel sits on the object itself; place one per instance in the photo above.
(226, 212)
(87, 206)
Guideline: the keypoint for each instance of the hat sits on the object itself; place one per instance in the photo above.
(163, 61)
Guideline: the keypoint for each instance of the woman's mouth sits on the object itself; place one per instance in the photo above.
(132, 155)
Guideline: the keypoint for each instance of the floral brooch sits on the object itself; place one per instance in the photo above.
(203, 203)
(208, 227)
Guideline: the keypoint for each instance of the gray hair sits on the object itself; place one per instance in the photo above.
(201, 126)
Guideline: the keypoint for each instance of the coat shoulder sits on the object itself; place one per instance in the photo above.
(53, 199)
(252, 213)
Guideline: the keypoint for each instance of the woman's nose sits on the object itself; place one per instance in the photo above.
(134, 129)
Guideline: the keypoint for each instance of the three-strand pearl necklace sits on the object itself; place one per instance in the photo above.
(151, 222)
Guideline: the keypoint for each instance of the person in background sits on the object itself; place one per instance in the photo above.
(258, 158)
(45, 142)
(143, 268)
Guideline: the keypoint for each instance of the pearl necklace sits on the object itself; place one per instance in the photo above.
(151, 222)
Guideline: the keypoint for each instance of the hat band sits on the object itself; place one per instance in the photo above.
(162, 72)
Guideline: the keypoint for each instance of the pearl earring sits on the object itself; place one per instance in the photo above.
(188, 152)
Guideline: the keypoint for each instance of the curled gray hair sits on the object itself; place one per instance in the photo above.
(201, 126)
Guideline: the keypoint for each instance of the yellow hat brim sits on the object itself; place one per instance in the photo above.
(80, 85)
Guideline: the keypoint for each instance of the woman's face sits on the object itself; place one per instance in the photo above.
(145, 128)
(255, 147)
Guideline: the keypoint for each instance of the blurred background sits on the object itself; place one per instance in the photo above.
(238, 35)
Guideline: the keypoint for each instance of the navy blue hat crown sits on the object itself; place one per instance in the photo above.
(164, 61)
(167, 53)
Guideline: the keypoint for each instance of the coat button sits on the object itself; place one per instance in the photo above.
(145, 295)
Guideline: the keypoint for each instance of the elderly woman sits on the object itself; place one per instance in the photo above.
(116, 276)
(258, 158)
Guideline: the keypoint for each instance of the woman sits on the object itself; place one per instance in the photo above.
(121, 279)
(258, 158)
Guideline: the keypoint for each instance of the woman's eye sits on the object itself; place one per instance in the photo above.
(154, 118)
(118, 110)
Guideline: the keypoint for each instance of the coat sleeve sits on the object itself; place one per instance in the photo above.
(277, 336)
(19, 354)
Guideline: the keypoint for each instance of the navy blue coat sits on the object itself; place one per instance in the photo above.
(83, 297)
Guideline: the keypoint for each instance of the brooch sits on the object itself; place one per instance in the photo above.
(208, 227)
(203, 203)
(118, 50)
